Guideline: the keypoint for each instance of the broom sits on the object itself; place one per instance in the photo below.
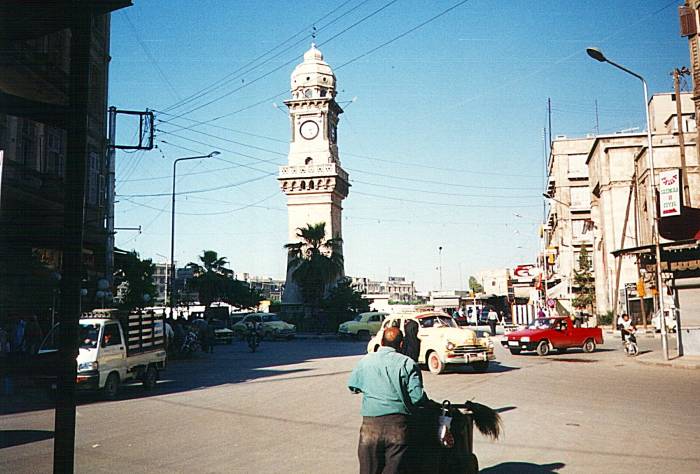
(486, 419)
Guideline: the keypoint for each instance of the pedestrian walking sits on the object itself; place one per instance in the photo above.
(493, 320)
(391, 386)
(411, 343)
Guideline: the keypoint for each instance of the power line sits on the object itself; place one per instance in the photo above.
(197, 191)
(417, 201)
(407, 32)
(233, 75)
(428, 191)
(150, 56)
(253, 81)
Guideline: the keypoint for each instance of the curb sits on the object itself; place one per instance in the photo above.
(675, 363)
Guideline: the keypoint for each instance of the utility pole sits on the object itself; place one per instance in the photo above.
(597, 121)
(73, 225)
(677, 73)
(109, 206)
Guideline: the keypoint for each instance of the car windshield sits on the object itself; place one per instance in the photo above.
(272, 317)
(443, 321)
(88, 335)
(358, 318)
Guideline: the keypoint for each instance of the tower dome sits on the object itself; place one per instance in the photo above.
(313, 78)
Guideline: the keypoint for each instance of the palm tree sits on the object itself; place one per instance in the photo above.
(211, 279)
(317, 262)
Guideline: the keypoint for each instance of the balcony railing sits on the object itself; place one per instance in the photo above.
(312, 171)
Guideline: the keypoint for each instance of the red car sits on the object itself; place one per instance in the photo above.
(558, 333)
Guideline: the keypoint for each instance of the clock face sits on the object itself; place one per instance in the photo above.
(309, 129)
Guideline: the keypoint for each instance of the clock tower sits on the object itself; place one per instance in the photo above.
(313, 180)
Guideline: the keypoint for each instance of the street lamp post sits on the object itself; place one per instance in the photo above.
(598, 55)
(172, 227)
(440, 265)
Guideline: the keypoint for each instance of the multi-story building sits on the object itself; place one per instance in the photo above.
(270, 288)
(35, 63)
(600, 199)
(568, 228)
(395, 289)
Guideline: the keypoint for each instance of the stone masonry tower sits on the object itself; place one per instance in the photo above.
(313, 180)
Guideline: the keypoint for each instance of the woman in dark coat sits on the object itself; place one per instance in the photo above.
(411, 343)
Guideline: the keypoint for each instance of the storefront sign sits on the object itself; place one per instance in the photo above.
(670, 193)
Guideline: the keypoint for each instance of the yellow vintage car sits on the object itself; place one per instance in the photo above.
(443, 341)
(363, 326)
(271, 326)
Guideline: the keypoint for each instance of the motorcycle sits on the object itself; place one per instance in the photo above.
(190, 344)
(253, 337)
(630, 345)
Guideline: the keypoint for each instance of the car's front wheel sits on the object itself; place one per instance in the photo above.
(543, 348)
(435, 365)
(111, 388)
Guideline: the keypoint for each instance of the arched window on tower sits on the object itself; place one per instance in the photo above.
(323, 92)
(311, 185)
(303, 185)
(308, 161)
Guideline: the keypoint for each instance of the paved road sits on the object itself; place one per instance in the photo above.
(286, 409)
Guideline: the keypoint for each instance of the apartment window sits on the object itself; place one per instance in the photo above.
(580, 198)
(27, 144)
(577, 166)
(54, 152)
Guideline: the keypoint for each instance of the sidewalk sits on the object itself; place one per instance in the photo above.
(651, 352)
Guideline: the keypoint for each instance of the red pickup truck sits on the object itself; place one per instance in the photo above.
(558, 333)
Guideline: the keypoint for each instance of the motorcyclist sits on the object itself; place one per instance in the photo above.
(628, 329)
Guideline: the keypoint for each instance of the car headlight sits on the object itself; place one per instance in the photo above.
(85, 366)
(450, 346)
(525, 339)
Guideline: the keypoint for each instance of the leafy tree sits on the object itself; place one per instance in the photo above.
(475, 286)
(214, 282)
(137, 275)
(317, 262)
(584, 282)
(344, 300)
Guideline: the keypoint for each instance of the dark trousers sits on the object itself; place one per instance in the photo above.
(383, 444)
(492, 325)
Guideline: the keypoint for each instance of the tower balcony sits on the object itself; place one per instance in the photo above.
(313, 171)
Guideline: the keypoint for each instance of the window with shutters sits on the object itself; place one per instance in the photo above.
(580, 198)
(577, 167)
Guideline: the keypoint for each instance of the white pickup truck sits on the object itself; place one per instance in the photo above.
(116, 347)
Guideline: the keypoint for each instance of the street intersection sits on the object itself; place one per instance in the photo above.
(286, 409)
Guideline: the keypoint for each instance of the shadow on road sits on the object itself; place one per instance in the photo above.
(495, 367)
(9, 438)
(523, 468)
(229, 364)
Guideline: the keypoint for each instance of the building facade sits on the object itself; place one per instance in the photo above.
(395, 289)
(313, 180)
(568, 228)
(34, 79)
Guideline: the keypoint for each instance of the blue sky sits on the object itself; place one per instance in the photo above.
(442, 133)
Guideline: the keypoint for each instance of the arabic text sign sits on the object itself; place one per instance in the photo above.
(670, 193)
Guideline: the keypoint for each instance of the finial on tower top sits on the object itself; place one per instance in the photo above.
(313, 33)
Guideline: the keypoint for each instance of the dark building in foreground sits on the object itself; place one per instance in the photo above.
(35, 63)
